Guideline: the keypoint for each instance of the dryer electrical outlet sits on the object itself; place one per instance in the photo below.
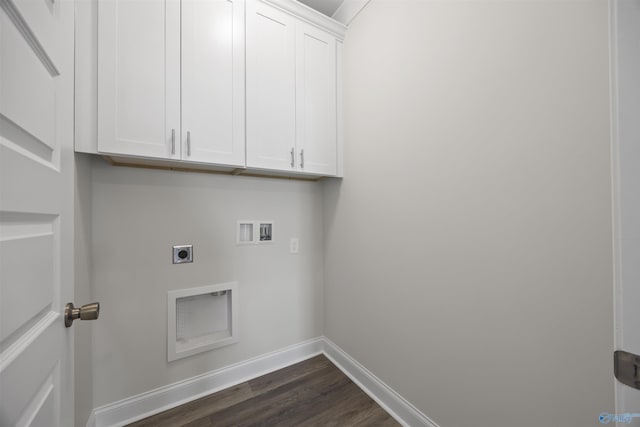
(182, 254)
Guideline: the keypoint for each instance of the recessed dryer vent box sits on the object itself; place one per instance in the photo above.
(201, 319)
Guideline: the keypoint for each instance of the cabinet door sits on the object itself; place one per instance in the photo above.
(213, 81)
(270, 88)
(139, 77)
(316, 93)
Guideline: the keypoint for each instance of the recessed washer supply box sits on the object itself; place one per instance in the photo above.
(201, 319)
(255, 232)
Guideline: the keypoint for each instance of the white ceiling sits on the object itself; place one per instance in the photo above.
(328, 7)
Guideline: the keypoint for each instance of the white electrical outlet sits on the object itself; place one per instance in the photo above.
(294, 245)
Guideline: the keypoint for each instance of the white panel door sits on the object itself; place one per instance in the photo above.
(316, 94)
(213, 81)
(36, 212)
(270, 88)
(626, 126)
(139, 77)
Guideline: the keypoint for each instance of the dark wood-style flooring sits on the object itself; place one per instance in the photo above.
(310, 393)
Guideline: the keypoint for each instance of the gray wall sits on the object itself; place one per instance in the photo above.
(139, 214)
(626, 107)
(85, 130)
(83, 344)
(468, 250)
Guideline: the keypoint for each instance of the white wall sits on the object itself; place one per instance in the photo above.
(626, 104)
(468, 258)
(139, 214)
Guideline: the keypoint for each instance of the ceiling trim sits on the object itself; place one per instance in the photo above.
(310, 15)
(348, 10)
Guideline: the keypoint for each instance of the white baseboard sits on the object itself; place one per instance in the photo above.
(397, 406)
(146, 404)
(91, 422)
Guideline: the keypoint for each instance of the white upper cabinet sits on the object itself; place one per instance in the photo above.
(291, 93)
(172, 86)
(171, 79)
(316, 94)
(213, 81)
(271, 88)
(139, 77)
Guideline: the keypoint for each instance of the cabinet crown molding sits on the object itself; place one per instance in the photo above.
(312, 16)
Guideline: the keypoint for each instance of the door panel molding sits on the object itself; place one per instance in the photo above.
(21, 25)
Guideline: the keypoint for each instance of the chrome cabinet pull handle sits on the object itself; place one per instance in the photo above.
(292, 161)
(302, 158)
(188, 143)
(173, 141)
